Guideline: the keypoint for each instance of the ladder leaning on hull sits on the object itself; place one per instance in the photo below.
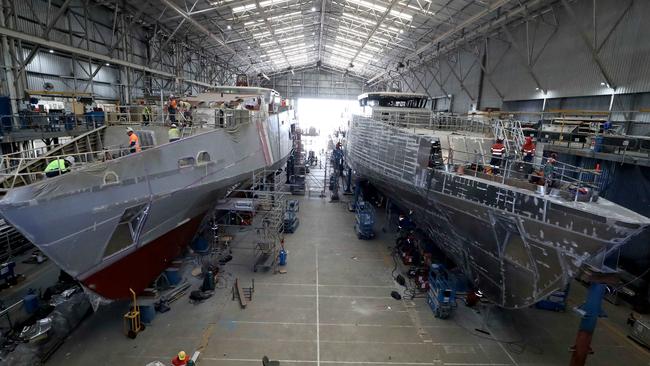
(25, 170)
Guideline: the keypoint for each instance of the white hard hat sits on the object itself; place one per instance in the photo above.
(129, 129)
(174, 125)
(69, 159)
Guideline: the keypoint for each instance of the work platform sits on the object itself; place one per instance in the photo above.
(333, 307)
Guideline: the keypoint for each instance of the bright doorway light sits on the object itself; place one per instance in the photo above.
(326, 116)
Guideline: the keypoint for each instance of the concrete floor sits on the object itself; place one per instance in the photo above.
(333, 307)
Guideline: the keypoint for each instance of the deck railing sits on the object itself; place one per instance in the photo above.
(566, 178)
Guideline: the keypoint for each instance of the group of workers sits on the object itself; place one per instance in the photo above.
(545, 175)
(62, 165)
(174, 108)
(498, 150)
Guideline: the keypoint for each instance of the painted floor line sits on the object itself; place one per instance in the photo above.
(334, 362)
(325, 296)
(246, 339)
(338, 324)
(317, 314)
(320, 285)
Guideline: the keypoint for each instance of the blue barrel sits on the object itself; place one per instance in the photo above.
(173, 276)
(283, 257)
(147, 312)
(200, 245)
(30, 302)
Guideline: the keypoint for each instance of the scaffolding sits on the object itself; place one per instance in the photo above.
(269, 195)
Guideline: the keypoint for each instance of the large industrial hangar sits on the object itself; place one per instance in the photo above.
(324, 182)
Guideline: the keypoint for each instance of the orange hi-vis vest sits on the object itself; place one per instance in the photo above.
(134, 138)
(529, 149)
(498, 149)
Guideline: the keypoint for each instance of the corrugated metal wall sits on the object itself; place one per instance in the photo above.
(560, 60)
(315, 83)
(95, 34)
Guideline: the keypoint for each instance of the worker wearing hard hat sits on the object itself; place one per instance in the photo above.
(59, 166)
(180, 359)
(172, 105)
(174, 133)
(134, 142)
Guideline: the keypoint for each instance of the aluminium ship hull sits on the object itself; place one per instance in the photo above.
(115, 235)
(517, 246)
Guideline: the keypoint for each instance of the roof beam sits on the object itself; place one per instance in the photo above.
(469, 21)
(271, 31)
(374, 29)
(322, 28)
(203, 29)
(38, 41)
(469, 36)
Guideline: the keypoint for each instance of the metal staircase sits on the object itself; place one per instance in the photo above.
(512, 135)
(18, 167)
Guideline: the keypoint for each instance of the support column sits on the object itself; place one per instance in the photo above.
(592, 311)
(10, 86)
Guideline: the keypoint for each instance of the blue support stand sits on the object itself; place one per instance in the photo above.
(348, 181)
(591, 310)
(352, 206)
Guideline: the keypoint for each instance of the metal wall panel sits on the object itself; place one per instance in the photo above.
(48, 63)
(315, 84)
(560, 59)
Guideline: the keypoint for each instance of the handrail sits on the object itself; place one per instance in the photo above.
(569, 176)
(83, 157)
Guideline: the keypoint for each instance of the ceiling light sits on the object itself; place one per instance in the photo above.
(107, 64)
(51, 51)
(229, 27)
(313, 8)
(536, 88)
(249, 47)
(603, 84)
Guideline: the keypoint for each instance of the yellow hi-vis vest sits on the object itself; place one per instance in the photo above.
(174, 133)
(56, 165)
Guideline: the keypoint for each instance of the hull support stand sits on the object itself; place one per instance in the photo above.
(590, 311)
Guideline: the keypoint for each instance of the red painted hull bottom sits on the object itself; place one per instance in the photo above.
(140, 268)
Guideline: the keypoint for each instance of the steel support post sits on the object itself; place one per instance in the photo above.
(591, 311)
(8, 63)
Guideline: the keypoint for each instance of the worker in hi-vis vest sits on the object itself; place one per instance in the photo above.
(134, 142)
(174, 133)
(497, 149)
(58, 166)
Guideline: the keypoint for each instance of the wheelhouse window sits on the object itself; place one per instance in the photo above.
(395, 100)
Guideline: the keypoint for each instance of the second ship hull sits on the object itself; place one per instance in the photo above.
(516, 246)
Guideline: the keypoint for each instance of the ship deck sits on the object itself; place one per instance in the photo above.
(333, 307)
(603, 206)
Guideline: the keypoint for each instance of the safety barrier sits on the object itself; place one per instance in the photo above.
(567, 178)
